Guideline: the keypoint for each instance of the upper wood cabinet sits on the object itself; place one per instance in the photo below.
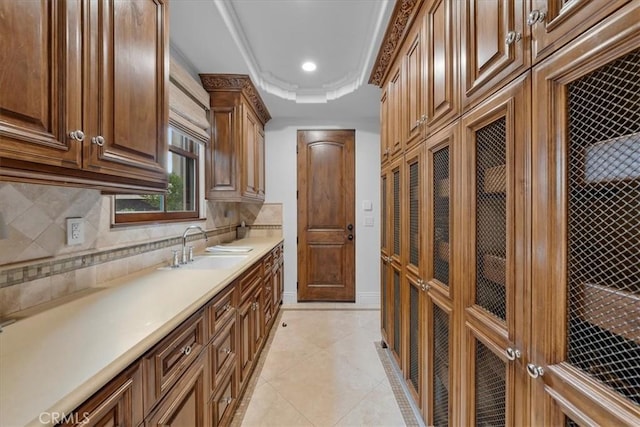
(235, 157)
(441, 94)
(413, 100)
(555, 22)
(396, 111)
(80, 105)
(494, 46)
(384, 127)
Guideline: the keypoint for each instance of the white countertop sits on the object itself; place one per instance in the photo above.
(55, 360)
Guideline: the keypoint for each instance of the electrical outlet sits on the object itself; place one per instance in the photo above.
(75, 231)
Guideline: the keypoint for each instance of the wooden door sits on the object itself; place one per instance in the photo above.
(441, 90)
(126, 107)
(41, 82)
(326, 215)
(185, 404)
(556, 22)
(494, 46)
(412, 226)
(586, 210)
(441, 278)
(413, 69)
(495, 143)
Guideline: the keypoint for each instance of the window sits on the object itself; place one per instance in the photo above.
(182, 198)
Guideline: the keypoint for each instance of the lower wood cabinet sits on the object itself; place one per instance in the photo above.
(196, 375)
(185, 404)
(119, 403)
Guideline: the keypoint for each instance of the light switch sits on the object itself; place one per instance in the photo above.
(75, 231)
(368, 221)
(367, 205)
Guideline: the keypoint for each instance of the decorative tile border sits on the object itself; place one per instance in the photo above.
(39, 270)
(265, 227)
(399, 389)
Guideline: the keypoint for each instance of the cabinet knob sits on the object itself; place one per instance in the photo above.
(535, 16)
(512, 37)
(535, 371)
(225, 350)
(423, 118)
(98, 140)
(77, 135)
(227, 307)
(186, 350)
(512, 354)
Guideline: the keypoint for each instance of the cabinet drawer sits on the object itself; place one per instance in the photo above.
(248, 280)
(166, 362)
(221, 310)
(224, 402)
(222, 353)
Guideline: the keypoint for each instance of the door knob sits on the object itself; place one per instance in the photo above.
(77, 135)
(350, 237)
(350, 227)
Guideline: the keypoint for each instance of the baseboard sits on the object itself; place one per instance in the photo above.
(368, 298)
(289, 297)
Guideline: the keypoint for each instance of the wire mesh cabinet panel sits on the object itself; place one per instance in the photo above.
(385, 268)
(495, 137)
(414, 266)
(586, 227)
(395, 259)
(441, 283)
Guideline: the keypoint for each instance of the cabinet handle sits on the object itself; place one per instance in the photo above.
(77, 135)
(512, 354)
(512, 37)
(423, 118)
(535, 371)
(98, 140)
(227, 307)
(268, 288)
(535, 16)
(225, 350)
(227, 400)
(186, 350)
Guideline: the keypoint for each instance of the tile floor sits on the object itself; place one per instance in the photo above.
(322, 369)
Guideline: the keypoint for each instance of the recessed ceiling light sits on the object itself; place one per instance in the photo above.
(309, 66)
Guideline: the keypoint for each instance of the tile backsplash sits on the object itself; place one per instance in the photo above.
(36, 265)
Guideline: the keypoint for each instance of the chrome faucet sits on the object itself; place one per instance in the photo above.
(185, 254)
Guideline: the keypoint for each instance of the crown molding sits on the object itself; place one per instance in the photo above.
(237, 83)
(401, 19)
(289, 91)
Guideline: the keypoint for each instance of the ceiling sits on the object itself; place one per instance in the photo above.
(270, 39)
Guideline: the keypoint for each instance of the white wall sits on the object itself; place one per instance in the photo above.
(281, 182)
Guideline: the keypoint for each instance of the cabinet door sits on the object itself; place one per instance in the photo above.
(442, 90)
(258, 319)
(586, 210)
(385, 126)
(249, 154)
(396, 128)
(386, 301)
(245, 346)
(119, 403)
(395, 262)
(185, 405)
(441, 278)
(222, 163)
(494, 44)
(126, 104)
(413, 86)
(556, 22)
(260, 162)
(495, 139)
(41, 82)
